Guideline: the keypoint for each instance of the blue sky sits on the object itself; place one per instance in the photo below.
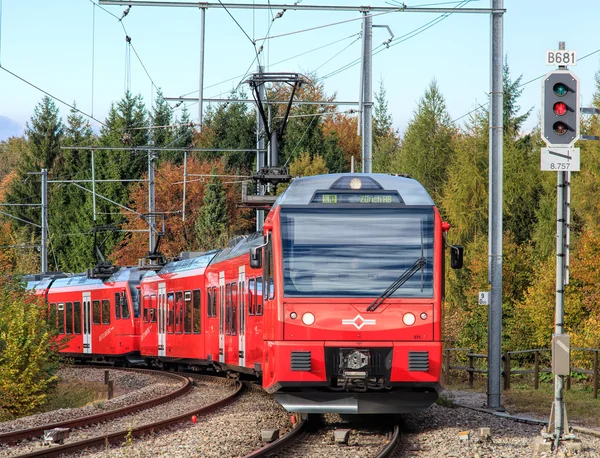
(51, 45)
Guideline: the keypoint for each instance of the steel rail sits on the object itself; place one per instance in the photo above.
(280, 443)
(392, 445)
(119, 436)
(14, 436)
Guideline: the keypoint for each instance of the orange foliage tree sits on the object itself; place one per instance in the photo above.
(179, 235)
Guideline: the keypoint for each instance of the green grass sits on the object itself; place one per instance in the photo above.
(73, 393)
(522, 398)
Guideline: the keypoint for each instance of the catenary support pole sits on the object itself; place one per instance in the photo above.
(495, 210)
(260, 155)
(44, 249)
(151, 157)
(201, 80)
(367, 94)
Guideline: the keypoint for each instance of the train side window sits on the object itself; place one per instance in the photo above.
(209, 302)
(259, 296)
(152, 316)
(117, 306)
(77, 317)
(171, 314)
(69, 318)
(96, 312)
(61, 318)
(228, 309)
(52, 314)
(105, 311)
(179, 311)
(234, 309)
(187, 323)
(145, 308)
(197, 296)
(251, 283)
(125, 305)
(214, 304)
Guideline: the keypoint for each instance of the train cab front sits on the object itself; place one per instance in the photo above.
(356, 265)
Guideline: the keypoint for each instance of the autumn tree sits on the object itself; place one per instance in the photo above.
(28, 352)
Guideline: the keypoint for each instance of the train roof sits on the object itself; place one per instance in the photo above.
(302, 190)
(132, 274)
(241, 247)
(198, 262)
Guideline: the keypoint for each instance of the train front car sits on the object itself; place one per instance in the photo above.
(353, 268)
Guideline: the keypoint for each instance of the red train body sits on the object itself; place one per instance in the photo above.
(336, 306)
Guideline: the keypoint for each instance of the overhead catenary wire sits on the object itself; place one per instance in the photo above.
(52, 96)
(485, 105)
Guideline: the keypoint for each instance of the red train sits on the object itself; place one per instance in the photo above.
(336, 306)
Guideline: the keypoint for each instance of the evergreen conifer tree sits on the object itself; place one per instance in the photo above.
(212, 222)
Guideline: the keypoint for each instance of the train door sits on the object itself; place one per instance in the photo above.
(162, 319)
(87, 323)
(221, 317)
(242, 315)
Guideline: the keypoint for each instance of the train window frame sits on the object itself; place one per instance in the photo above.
(251, 292)
(106, 308)
(96, 312)
(76, 317)
(69, 318)
(60, 318)
(188, 312)
(52, 314)
(228, 309)
(209, 302)
(117, 306)
(259, 296)
(124, 305)
(214, 304)
(145, 308)
(179, 312)
(197, 311)
(153, 301)
(234, 298)
(170, 313)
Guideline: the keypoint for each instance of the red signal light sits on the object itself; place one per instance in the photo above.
(560, 108)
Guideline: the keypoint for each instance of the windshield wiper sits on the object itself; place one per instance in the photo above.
(417, 265)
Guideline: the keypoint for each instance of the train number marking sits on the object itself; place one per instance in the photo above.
(358, 321)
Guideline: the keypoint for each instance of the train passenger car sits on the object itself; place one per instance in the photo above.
(98, 318)
(173, 313)
(235, 313)
(352, 267)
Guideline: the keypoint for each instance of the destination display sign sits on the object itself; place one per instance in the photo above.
(337, 198)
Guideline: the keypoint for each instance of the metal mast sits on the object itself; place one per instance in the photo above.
(495, 208)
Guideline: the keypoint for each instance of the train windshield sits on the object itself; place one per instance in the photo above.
(356, 252)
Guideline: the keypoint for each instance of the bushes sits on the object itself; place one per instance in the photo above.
(28, 351)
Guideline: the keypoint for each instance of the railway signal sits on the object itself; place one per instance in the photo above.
(560, 109)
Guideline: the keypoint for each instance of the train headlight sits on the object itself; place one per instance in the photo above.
(308, 318)
(408, 319)
(293, 315)
(423, 316)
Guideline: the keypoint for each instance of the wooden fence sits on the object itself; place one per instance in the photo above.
(508, 372)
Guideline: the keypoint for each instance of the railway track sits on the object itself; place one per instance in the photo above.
(305, 437)
(30, 433)
(102, 440)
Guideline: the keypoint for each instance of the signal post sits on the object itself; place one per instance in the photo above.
(560, 123)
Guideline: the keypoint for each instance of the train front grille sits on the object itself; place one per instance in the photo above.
(418, 361)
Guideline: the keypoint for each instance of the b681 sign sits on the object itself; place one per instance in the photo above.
(559, 57)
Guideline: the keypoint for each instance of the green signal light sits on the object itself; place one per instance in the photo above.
(560, 89)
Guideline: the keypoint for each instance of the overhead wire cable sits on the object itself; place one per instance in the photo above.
(399, 40)
(518, 87)
(52, 96)
(272, 37)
